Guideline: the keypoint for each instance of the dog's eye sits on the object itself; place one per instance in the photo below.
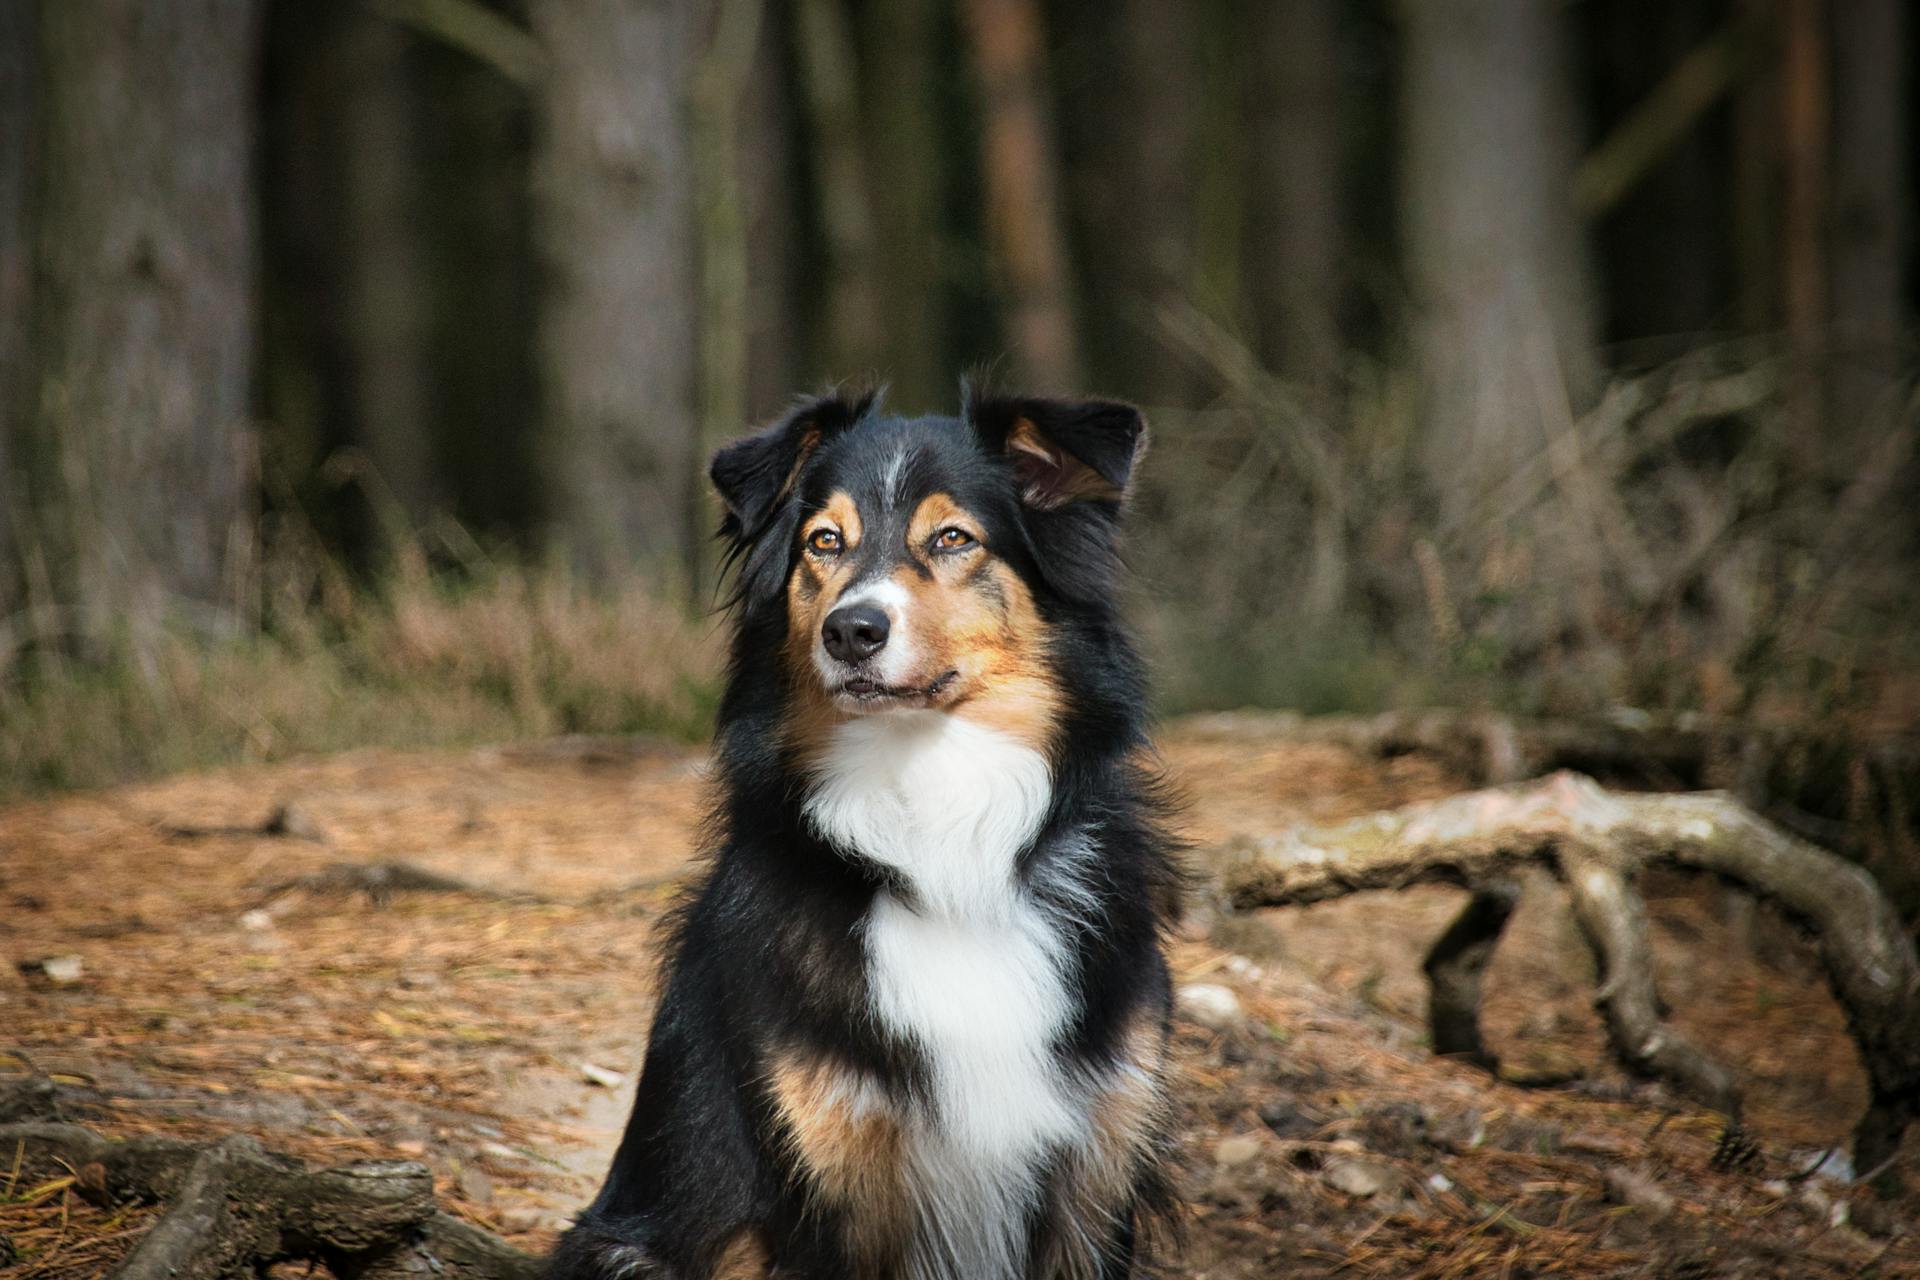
(825, 542)
(952, 539)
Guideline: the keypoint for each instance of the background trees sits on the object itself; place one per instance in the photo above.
(1495, 349)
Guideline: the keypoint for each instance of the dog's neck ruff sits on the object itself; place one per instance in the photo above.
(967, 964)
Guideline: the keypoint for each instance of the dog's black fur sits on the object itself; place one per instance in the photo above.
(766, 955)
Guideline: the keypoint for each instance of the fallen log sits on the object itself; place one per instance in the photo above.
(234, 1208)
(1596, 842)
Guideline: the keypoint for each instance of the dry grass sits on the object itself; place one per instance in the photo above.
(493, 654)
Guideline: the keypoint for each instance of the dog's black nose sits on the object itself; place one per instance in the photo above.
(855, 632)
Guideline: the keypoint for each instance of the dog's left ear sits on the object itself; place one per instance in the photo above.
(1063, 451)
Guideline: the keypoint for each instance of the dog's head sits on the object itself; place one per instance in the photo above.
(926, 563)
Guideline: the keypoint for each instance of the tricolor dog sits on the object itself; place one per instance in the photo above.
(913, 1019)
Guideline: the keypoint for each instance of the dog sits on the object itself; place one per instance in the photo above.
(914, 1017)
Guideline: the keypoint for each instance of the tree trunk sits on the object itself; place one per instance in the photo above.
(1296, 206)
(613, 201)
(386, 287)
(853, 342)
(769, 194)
(143, 305)
(1870, 229)
(1805, 108)
(1505, 326)
(1019, 169)
(1669, 268)
(1135, 107)
(18, 64)
(719, 85)
(900, 77)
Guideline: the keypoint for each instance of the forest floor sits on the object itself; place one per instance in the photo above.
(495, 1036)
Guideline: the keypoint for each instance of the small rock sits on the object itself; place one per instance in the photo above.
(1636, 1190)
(1286, 1119)
(59, 970)
(1209, 1004)
(474, 1184)
(520, 1219)
(1358, 1177)
(1236, 1150)
(1439, 1183)
(1243, 968)
(257, 922)
(601, 1076)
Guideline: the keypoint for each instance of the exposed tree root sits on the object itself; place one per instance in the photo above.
(1596, 842)
(381, 880)
(1456, 968)
(233, 1208)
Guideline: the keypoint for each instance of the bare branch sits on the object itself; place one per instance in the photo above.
(1597, 842)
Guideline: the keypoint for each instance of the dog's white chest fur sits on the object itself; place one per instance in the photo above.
(969, 968)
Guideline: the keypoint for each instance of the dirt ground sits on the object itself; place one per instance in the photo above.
(495, 1036)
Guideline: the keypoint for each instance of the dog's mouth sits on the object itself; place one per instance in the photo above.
(863, 693)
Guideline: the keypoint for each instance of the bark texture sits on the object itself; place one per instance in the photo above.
(1596, 842)
(233, 1208)
(1505, 327)
(1019, 169)
(18, 65)
(143, 305)
(614, 209)
(1295, 177)
(1870, 231)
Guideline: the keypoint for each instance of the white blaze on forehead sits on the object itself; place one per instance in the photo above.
(890, 484)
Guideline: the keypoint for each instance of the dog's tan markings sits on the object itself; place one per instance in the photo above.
(1051, 477)
(745, 1257)
(848, 1142)
(973, 615)
(818, 581)
(1129, 1123)
(937, 511)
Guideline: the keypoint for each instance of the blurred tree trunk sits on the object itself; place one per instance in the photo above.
(18, 63)
(143, 306)
(385, 278)
(769, 191)
(1135, 109)
(900, 75)
(614, 209)
(1806, 109)
(720, 85)
(484, 275)
(1505, 325)
(1669, 268)
(1019, 170)
(853, 340)
(1756, 176)
(1870, 228)
(1297, 186)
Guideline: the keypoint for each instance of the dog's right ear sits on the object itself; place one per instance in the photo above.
(756, 476)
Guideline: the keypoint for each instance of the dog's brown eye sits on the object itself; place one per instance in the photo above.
(952, 539)
(824, 542)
